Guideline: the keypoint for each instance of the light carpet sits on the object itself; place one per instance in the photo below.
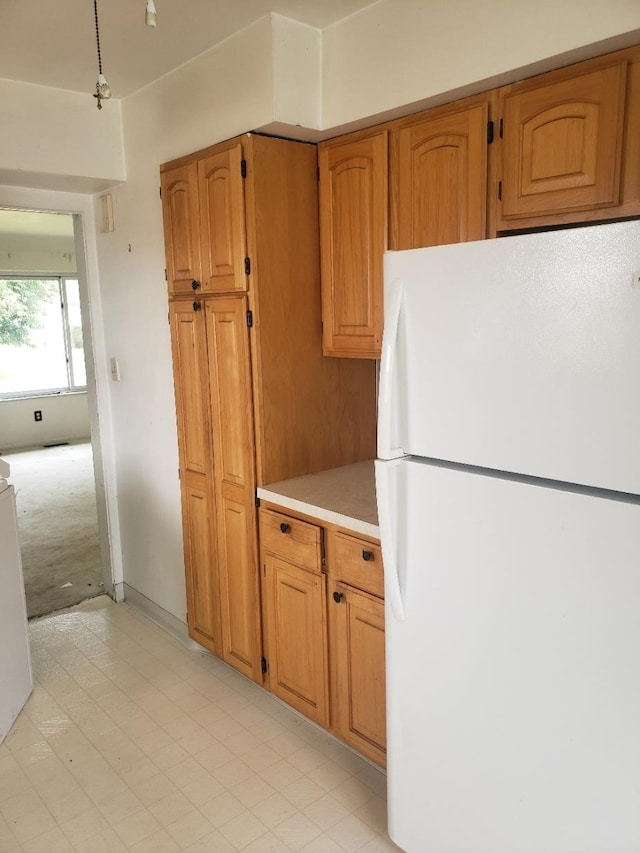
(57, 525)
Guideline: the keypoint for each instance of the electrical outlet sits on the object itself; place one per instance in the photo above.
(37, 415)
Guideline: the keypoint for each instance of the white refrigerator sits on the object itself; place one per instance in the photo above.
(508, 485)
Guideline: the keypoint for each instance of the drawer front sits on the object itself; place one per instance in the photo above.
(358, 562)
(293, 540)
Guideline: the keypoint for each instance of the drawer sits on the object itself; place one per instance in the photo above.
(296, 541)
(358, 563)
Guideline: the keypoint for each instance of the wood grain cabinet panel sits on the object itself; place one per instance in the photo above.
(194, 444)
(203, 597)
(179, 188)
(222, 221)
(358, 654)
(295, 609)
(439, 177)
(353, 234)
(562, 147)
(234, 478)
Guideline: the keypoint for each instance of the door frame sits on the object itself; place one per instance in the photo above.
(81, 206)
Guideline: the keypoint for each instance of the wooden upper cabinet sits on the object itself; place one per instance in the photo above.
(563, 140)
(353, 237)
(222, 221)
(439, 176)
(179, 188)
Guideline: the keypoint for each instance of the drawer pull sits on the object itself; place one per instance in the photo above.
(367, 556)
(285, 528)
(338, 596)
(195, 285)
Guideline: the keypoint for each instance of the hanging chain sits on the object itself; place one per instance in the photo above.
(95, 14)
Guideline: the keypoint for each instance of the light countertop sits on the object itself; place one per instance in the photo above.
(343, 496)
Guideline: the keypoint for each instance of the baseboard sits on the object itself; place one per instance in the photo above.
(159, 616)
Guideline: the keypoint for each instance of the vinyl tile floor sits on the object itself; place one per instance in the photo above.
(133, 742)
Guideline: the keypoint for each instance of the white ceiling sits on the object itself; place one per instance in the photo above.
(52, 42)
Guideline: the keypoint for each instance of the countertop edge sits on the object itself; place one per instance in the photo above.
(322, 514)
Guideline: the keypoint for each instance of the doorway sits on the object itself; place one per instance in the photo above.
(24, 249)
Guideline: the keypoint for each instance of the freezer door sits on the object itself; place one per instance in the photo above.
(518, 354)
(513, 665)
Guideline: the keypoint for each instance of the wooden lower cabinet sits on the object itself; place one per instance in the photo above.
(203, 605)
(295, 613)
(358, 657)
(325, 653)
(296, 628)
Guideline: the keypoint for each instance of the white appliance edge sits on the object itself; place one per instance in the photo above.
(16, 680)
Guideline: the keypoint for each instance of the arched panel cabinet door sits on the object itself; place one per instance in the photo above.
(439, 176)
(222, 221)
(562, 142)
(353, 237)
(234, 481)
(179, 190)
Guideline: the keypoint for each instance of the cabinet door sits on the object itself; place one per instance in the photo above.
(194, 428)
(234, 481)
(203, 602)
(563, 142)
(353, 237)
(295, 612)
(181, 228)
(222, 221)
(191, 385)
(359, 706)
(439, 178)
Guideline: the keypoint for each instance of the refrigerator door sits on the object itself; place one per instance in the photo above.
(513, 686)
(518, 354)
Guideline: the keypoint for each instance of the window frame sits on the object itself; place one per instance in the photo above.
(71, 387)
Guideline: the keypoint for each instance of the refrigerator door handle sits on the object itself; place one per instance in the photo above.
(393, 297)
(392, 592)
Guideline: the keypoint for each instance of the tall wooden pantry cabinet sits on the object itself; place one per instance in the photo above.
(256, 401)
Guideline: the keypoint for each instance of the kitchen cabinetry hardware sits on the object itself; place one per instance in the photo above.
(367, 556)
(285, 528)
(197, 306)
(338, 596)
(195, 285)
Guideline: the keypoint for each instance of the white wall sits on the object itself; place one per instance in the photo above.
(65, 417)
(56, 139)
(395, 53)
(24, 254)
(399, 52)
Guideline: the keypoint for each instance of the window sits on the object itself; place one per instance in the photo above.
(41, 347)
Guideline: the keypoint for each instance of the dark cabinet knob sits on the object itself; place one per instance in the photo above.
(285, 528)
(195, 285)
(338, 596)
(367, 556)
(197, 306)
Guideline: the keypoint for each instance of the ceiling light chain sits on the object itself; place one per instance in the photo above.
(103, 92)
